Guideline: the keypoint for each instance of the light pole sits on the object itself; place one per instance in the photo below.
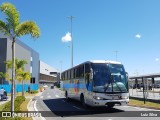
(71, 17)
(60, 69)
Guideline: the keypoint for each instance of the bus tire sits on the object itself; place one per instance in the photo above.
(110, 105)
(83, 101)
(66, 95)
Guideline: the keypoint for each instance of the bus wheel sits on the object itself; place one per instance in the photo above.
(66, 95)
(83, 102)
(110, 105)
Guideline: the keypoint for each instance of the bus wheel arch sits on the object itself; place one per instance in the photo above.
(82, 99)
(66, 95)
(110, 105)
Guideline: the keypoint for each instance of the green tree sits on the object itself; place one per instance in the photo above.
(23, 76)
(2, 75)
(20, 74)
(13, 28)
(19, 66)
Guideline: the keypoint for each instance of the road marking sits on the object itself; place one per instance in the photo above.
(41, 97)
(57, 96)
(37, 110)
(77, 107)
(49, 96)
(35, 105)
(47, 93)
(63, 100)
(126, 106)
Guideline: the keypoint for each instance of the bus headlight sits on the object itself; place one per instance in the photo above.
(98, 98)
(125, 97)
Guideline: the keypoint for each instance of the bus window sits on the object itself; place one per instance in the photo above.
(72, 73)
(100, 74)
(88, 77)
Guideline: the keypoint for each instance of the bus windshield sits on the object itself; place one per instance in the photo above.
(109, 78)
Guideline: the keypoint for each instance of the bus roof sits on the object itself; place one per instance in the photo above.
(104, 61)
(96, 61)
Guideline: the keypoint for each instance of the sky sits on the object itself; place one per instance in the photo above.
(99, 29)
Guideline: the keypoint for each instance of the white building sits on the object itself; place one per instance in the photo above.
(48, 74)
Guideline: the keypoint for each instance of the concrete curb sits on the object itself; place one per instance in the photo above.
(32, 107)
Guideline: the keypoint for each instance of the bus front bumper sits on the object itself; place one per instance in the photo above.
(107, 102)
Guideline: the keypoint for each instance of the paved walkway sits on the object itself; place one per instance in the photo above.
(150, 94)
(4, 101)
(9, 98)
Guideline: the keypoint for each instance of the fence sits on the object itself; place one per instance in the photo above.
(18, 87)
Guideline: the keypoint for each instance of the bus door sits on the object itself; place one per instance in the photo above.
(88, 82)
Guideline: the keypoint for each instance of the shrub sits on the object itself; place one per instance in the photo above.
(17, 102)
(33, 91)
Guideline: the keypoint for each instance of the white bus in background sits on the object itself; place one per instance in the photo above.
(97, 83)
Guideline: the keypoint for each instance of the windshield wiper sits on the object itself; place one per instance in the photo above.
(106, 87)
(117, 86)
(111, 80)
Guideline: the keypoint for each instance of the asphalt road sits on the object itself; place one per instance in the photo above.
(55, 106)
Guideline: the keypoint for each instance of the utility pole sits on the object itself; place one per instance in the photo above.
(71, 18)
(60, 69)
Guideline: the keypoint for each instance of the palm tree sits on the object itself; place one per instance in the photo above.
(13, 28)
(2, 75)
(19, 65)
(23, 76)
(19, 71)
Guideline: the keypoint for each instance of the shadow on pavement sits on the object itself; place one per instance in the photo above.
(62, 107)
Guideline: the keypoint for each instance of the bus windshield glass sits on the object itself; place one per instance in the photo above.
(109, 78)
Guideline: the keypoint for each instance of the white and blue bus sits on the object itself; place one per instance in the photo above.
(97, 83)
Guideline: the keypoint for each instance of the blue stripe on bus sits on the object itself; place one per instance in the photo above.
(69, 85)
(80, 86)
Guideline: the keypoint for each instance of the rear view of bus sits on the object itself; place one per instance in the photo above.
(102, 83)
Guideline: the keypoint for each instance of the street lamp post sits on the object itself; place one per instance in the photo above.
(71, 17)
(60, 69)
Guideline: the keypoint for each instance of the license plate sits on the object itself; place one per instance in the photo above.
(114, 97)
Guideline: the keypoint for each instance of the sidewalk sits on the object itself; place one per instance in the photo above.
(9, 98)
(139, 94)
(4, 101)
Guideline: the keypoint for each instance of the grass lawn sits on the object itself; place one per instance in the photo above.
(139, 103)
(25, 94)
(23, 107)
(2, 106)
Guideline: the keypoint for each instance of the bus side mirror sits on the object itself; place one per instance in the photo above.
(127, 75)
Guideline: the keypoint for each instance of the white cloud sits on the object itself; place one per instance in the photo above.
(67, 37)
(157, 59)
(138, 36)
